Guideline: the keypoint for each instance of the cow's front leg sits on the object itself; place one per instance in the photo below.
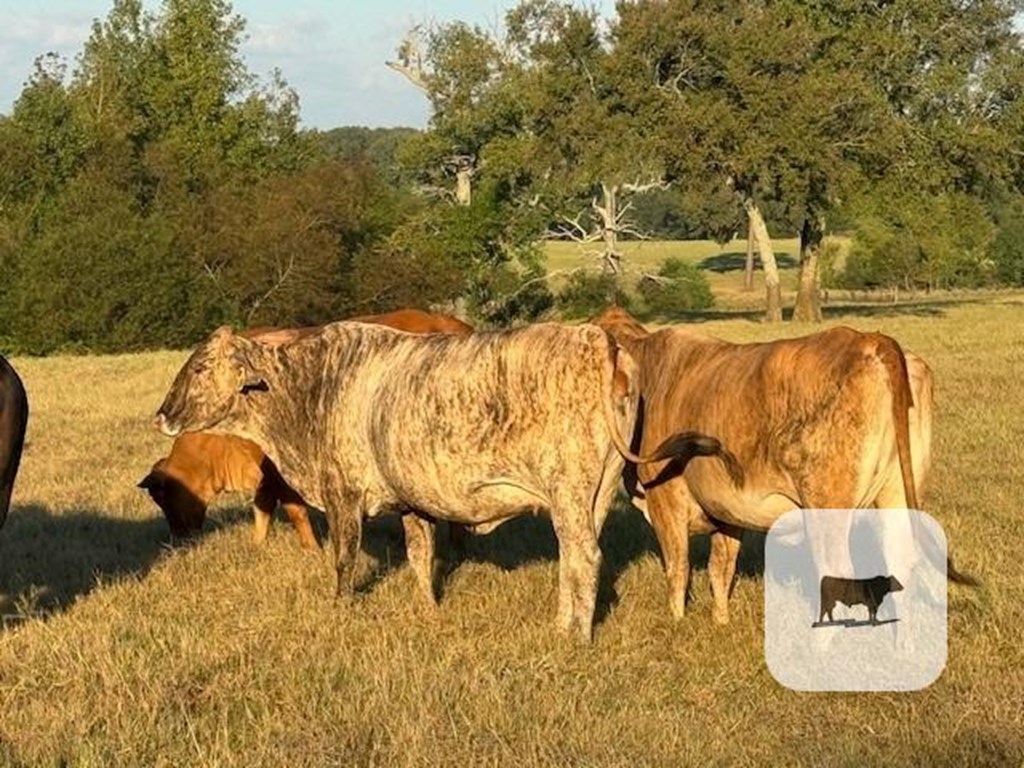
(345, 522)
(725, 551)
(420, 549)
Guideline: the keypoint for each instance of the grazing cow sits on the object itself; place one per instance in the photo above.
(13, 420)
(823, 421)
(201, 466)
(850, 592)
(477, 429)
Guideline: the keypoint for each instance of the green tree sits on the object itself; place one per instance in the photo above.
(934, 107)
(380, 147)
(538, 117)
(162, 189)
(677, 287)
(906, 241)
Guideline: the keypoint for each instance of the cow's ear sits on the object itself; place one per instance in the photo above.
(246, 359)
(249, 379)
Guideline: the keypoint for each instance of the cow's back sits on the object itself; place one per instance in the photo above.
(210, 463)
(417, 321)
(441, 414)
(782, 408)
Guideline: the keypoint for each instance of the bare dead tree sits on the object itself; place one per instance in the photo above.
(608, 222)
(409, 60)
(409, 63)
(463, 167)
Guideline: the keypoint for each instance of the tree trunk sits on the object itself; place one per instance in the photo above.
(808, 302)
(464, 185)
(748, 273)
(759, 231)
(609, 214)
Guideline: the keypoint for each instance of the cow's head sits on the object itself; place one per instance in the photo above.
(185, 512)
(894, 584)
(212, 386)
(623, 327)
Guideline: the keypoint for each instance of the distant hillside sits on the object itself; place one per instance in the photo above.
(378, 146)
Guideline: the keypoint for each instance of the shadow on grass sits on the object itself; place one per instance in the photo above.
(382, 540)
(847, 623)
(49, 560)
(835, 311)
(918, 309)
(625, 539)
(736, 261)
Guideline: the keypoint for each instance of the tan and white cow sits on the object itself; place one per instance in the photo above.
(830, 420)
(475, 429)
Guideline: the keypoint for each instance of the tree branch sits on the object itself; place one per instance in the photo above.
(282, 277)
(409, 60)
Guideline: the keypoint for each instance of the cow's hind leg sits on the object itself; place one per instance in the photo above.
(263, 506)
(725, 551)
(579, 564)
(670, 521)
(300, 519)
(420, 548)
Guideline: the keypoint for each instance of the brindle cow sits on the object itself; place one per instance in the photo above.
(474, 429)
(200, 466)
(13, 421)
(823, 421)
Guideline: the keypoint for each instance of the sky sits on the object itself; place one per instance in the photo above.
(332, 52)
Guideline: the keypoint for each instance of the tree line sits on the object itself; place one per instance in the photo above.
(156, 188)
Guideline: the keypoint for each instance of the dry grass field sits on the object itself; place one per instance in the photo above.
(230, 654)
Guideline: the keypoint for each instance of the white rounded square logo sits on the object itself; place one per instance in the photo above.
(855, 600)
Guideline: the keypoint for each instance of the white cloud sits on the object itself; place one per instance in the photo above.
(25, 36)
(45, 31)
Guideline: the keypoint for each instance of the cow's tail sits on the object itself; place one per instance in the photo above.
(891, 355)
(682, 446)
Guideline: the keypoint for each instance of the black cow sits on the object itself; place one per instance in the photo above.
(13, 420)
(849, 592)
